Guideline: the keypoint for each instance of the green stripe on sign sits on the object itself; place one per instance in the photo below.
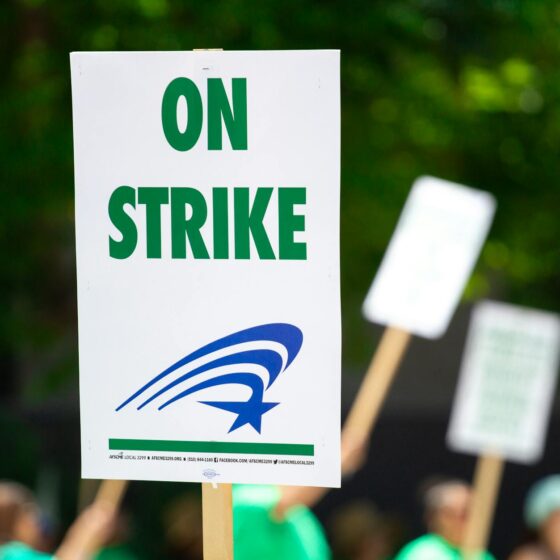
(212, 447)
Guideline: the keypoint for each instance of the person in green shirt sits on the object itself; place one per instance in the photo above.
(446, 506)
(259, 534)
(20, 530)
(276, 522)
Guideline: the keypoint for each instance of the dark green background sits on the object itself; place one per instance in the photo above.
(468, 91)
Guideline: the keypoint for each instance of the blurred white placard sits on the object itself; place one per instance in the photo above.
(507, 382)
(430, 257)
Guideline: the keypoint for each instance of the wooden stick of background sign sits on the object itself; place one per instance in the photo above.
(376, 383)
(86, 492)
(362, 416)
(111, 493)
(487, 480)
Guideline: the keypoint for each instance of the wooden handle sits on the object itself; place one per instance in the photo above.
(487, 479)
(217, 521)
(86, 492)
(111, 493)
(376, 382)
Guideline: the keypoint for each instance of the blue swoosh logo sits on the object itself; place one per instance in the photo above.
(250, 411)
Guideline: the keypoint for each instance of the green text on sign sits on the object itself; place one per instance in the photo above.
(184, 136)
(188, 211)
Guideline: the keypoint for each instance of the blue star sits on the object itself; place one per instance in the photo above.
(248, 412)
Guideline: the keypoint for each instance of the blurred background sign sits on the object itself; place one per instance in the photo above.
(428, 262)
(503, 401)
(507, 382)
(430, 257)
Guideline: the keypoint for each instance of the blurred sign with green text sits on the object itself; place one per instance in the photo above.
(507, 382)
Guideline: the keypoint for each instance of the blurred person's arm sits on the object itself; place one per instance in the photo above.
(87, 534)
(353, 455)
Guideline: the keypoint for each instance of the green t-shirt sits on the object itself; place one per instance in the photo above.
(299, 536)
(433, 547)
(19, 551)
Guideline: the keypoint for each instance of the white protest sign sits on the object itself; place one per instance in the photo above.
(507, 382)
(430, 257)
(207, 230)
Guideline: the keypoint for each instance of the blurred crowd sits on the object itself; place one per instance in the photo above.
(278, 523)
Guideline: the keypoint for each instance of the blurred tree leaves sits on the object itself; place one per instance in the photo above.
(468, 91)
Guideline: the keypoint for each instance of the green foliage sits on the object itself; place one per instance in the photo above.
(468, 91)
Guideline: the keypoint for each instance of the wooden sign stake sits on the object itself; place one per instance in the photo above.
(86, 492)
(363, 414)
(217, 521)
(377, 380)
(111, 493)
(487, 479)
